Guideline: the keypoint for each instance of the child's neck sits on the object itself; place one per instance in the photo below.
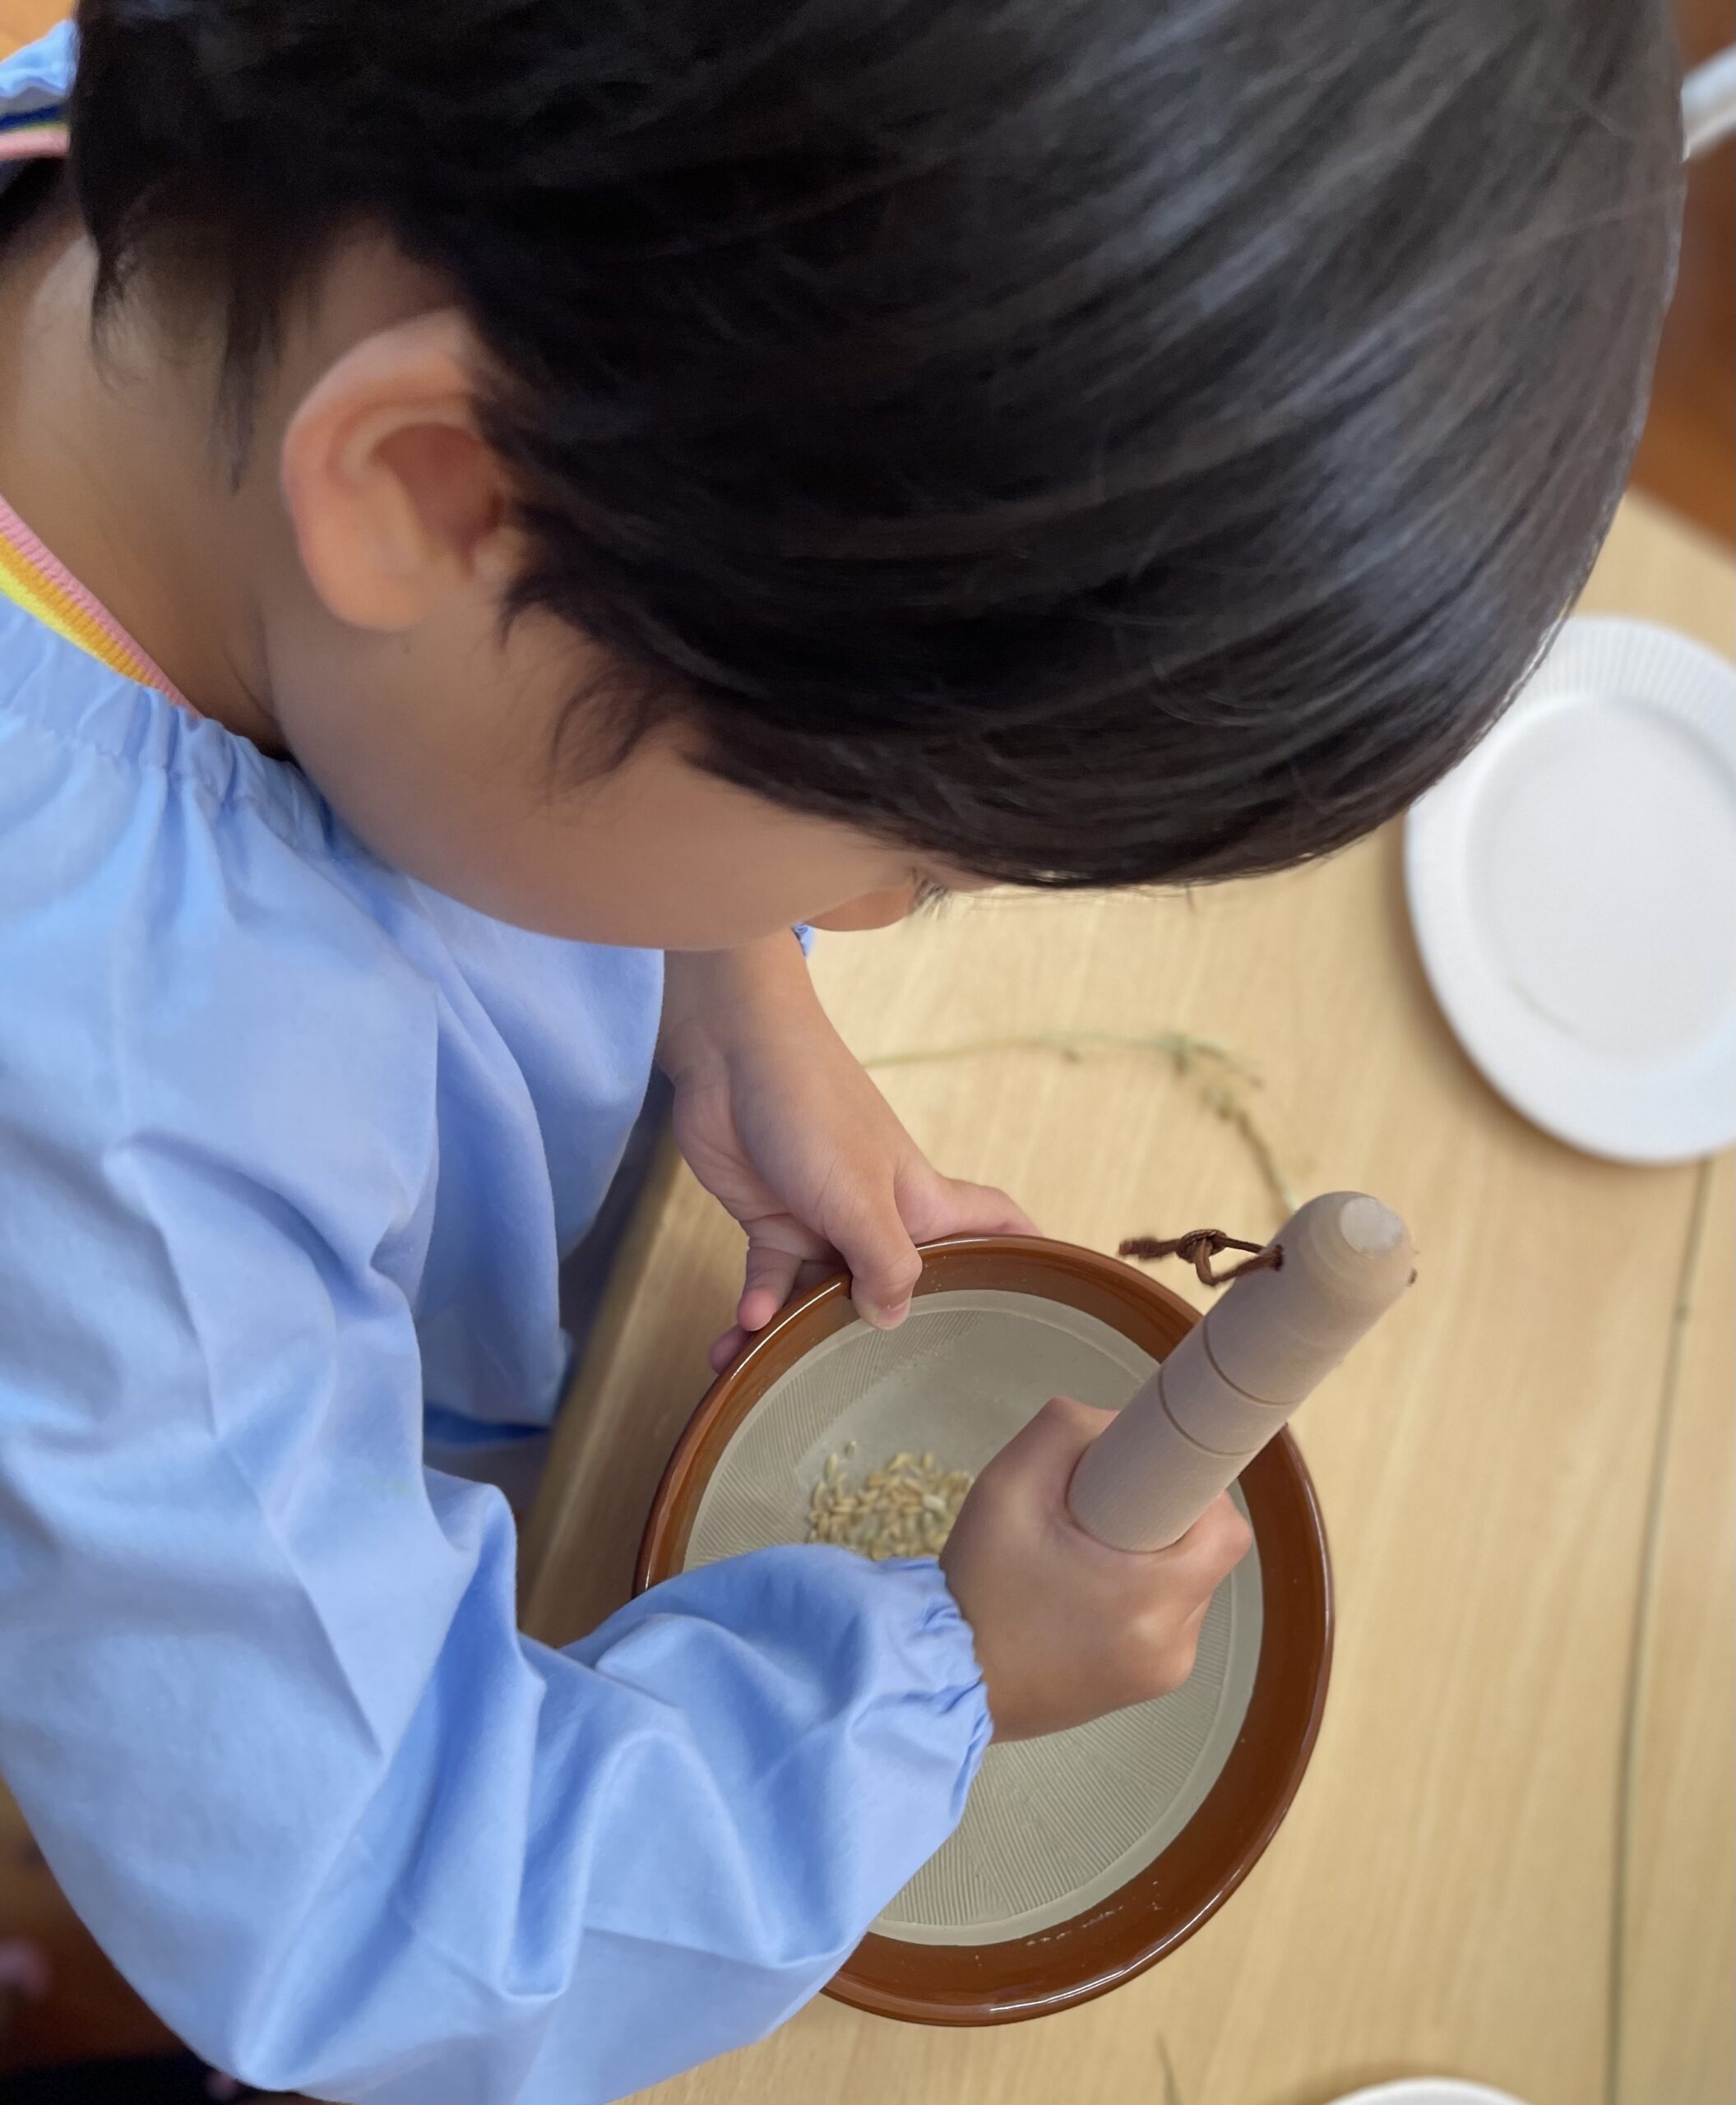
(112, 458)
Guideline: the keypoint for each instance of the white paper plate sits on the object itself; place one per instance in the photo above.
(1428, 2090)
(1572, 885)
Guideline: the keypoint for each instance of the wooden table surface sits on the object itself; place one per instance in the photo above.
(1443, 1897)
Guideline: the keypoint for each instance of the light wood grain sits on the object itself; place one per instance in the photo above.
(643, 1370)
(1680, 2042)
(1656, 565)
(1440, 1898)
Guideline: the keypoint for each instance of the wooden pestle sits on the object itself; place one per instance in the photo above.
(1230, 1384)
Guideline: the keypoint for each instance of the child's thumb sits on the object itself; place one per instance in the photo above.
(1042, 1454)
(884, 1268)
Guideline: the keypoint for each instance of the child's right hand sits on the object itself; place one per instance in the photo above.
(1066, 1627)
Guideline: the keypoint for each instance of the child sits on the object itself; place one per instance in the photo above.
(513, 505)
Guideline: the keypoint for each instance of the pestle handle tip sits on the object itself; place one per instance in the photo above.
(1371, 1229)
(1230, 1383)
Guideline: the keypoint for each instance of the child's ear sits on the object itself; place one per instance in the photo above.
(395, 499)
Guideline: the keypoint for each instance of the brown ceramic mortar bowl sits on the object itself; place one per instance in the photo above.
(1161, 1906)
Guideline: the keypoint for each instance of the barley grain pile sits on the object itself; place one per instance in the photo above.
(904, 1508)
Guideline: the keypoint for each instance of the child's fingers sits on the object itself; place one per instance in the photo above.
(771, 1278)
(726, 1349)
(1044, 1453)
(982, 1210)
(881, 1258)
(768, 1276)
(882, 1288)
(1215, 1545)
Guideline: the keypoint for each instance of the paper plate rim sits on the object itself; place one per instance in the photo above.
(1428, 2090)
(1537, 1074)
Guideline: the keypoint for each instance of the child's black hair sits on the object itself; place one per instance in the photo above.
(1090, 441)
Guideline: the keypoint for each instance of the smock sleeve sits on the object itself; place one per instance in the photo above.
(262, 1697)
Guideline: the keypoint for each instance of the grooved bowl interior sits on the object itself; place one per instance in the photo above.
(1085, 1857)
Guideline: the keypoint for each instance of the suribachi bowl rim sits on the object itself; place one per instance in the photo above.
(1160, 1907)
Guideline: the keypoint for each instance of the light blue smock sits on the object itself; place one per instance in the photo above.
(289, 1147)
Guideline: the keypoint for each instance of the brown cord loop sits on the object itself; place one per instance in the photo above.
(1199, 1247)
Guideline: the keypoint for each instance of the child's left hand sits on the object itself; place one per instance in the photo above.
(778, 1121)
